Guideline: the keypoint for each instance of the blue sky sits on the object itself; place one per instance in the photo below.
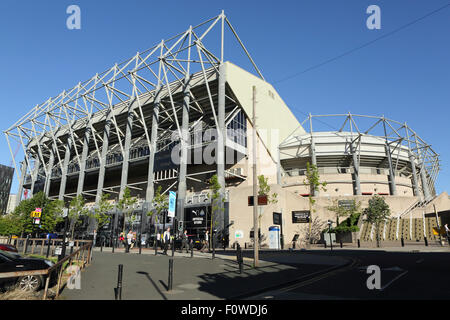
(405, 76)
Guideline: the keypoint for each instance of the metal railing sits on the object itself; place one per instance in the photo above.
(82, 256)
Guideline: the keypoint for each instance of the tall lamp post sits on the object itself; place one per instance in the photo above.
(329, 232)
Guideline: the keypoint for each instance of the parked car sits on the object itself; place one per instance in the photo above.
(8, 247)
(13, 262)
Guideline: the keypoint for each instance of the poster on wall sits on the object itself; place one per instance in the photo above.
(239, 234)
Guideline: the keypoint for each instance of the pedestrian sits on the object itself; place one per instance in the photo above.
(129, 240)
(184, 242)
(447, 231)
(205, 242)
(166, 240)
(122, 238)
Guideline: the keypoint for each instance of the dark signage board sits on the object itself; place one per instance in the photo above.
(262, 201)
(300, 216)
(277, 218)
(348, 204)
(195, 217)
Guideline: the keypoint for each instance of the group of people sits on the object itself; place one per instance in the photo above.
(166, 239)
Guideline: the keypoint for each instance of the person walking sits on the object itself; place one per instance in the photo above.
(447, 232)
(184, 242)
(166, 240)
(129, 240)
(205, 242)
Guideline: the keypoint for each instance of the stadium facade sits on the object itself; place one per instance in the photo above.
(178, 113)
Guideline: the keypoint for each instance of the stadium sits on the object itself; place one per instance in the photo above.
(178, 113)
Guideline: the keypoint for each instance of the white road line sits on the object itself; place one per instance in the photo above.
(396, 278)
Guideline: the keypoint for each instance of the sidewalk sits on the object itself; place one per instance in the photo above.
(199, 278)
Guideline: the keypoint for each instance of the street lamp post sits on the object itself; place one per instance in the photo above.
(329, 232)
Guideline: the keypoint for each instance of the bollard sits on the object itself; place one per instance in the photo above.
(359, 244)
(25, 248)
(341, 243)
(140, 244)
(170, 280)
(156, 247)
(245, 245)
(119, 283)
(191, 247)
(173, 247)
(114, 242)
(239, 257)
(426, 241)
(48, 247)
(325, 244)
(101, 246)
(402, 241)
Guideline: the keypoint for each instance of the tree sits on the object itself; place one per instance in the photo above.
(376, 213)
(100, 213)
(51, 214)
(351, 212)
(126, 206)
(10, 225)
(264, 190)
(313, 181)
(160, 204)
(216, 201)
(76, 211)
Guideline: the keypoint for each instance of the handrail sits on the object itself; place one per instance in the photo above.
(59, 264)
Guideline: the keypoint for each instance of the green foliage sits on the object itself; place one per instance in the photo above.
(160, 204)
(264, 190)
(10, 225)
(313, 181)
(76, 211)
(51, 215)
(217, 200)
(126, 206)
(100, 212)
(344, 211)
(376, 213)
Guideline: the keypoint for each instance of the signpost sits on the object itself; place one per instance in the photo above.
(172, 204)
(277, 220)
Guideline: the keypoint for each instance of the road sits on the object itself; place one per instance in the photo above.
(404, 275)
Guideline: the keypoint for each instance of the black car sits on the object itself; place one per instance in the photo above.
(13, 262)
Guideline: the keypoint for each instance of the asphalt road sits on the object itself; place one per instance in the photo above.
(404, 275)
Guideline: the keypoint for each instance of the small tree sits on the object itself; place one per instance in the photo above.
(100, 213)
(264, 190)
(160, 204)
(216, 201)
(76, 211)
(351, 212)
(126, 206)
(313, 181)
(377, 212)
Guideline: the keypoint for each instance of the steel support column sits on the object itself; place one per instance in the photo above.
(23, 172)
(48, 177)
(126, 156)
(414, 175)
(357, 190)
(423, 178)
(84, 154)
(105, 146)
(151, 159)
(35, 174)
(393, 187)
(62, 187)
(221, 142)
(185, 142)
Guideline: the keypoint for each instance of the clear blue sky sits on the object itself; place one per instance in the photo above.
(405, 77)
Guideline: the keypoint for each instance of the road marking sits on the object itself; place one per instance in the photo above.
(396, 278)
